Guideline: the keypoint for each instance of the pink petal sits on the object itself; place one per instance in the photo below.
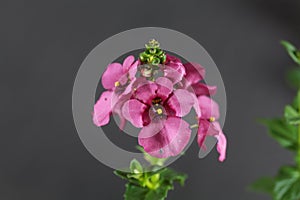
(132, 70)
(146, 92)
(103, 109)
(212, 129)
(127, 63)
(209, 108)
(129, 88)
(203, 89)
(194, 72)
(165, 87)
(172, 59)
(111, 75)
(170, 141)
(174, 75)
(133, 110)
(118, 102)
(173, 69)
(181, 102)
(151, 129)
(205, 129)
(196, 105)
(222, 142)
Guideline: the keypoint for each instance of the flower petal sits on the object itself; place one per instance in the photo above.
(111, 75)
(165, 87)
(103, 109)
(118, 102)
(194, 72)
(212, 129)
(196, 105)
(209, 108)
(203, 89)
(173, 69)
(146, 91)
(174, 75)
(152, 129)
(133, 110)
(132, 71)
(170, 141)
(127, 63)
(222, 142)
(181, 102)
(205, 129)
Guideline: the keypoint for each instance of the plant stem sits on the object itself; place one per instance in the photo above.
(298, 152)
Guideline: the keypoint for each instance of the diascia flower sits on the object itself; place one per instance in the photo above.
(207, 122)
(208, 126)
(157, 108)
(117, 79)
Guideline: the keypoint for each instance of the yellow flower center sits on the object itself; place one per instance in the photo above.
(117, 83)
(159, 111)
(212, 119)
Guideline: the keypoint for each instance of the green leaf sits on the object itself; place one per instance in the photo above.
(134, 192)
(283, 132)
(170, 176)
(292, 51)
(293, 77)
(121, 174)
(287, 186)
(136, 167)
(291, 115)
(164, 179)
(264, 184)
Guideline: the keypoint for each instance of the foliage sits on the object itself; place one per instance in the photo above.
(152, 184)
(286, 131)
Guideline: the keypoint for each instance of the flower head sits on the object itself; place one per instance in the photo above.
(157, 101)
(157, 108)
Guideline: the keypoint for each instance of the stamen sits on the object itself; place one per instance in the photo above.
(156, 100)
(212, 119)
(159, 111)
(117, 83)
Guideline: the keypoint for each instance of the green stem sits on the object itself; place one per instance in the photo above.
(298, 152)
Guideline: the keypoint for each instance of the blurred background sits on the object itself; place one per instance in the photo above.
(43, 44)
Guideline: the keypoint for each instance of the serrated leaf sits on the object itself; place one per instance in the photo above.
(170, 176)
(284, 133)
(292, 51)
(136, 167)
(291, 115)
(287, 186)
(134, 192)
(121, 174)
(264, 184)
(160, 194)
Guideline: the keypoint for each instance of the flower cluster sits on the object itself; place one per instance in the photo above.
(154, 93)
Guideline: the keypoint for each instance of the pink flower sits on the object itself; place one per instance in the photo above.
(195, 73)
(118, 75)
(173, 69)
(208, 126)
(157, 109)
(117, 79)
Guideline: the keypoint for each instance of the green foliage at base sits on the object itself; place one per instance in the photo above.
(148, 184)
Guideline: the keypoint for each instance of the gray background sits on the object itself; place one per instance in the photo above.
(43, 44)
